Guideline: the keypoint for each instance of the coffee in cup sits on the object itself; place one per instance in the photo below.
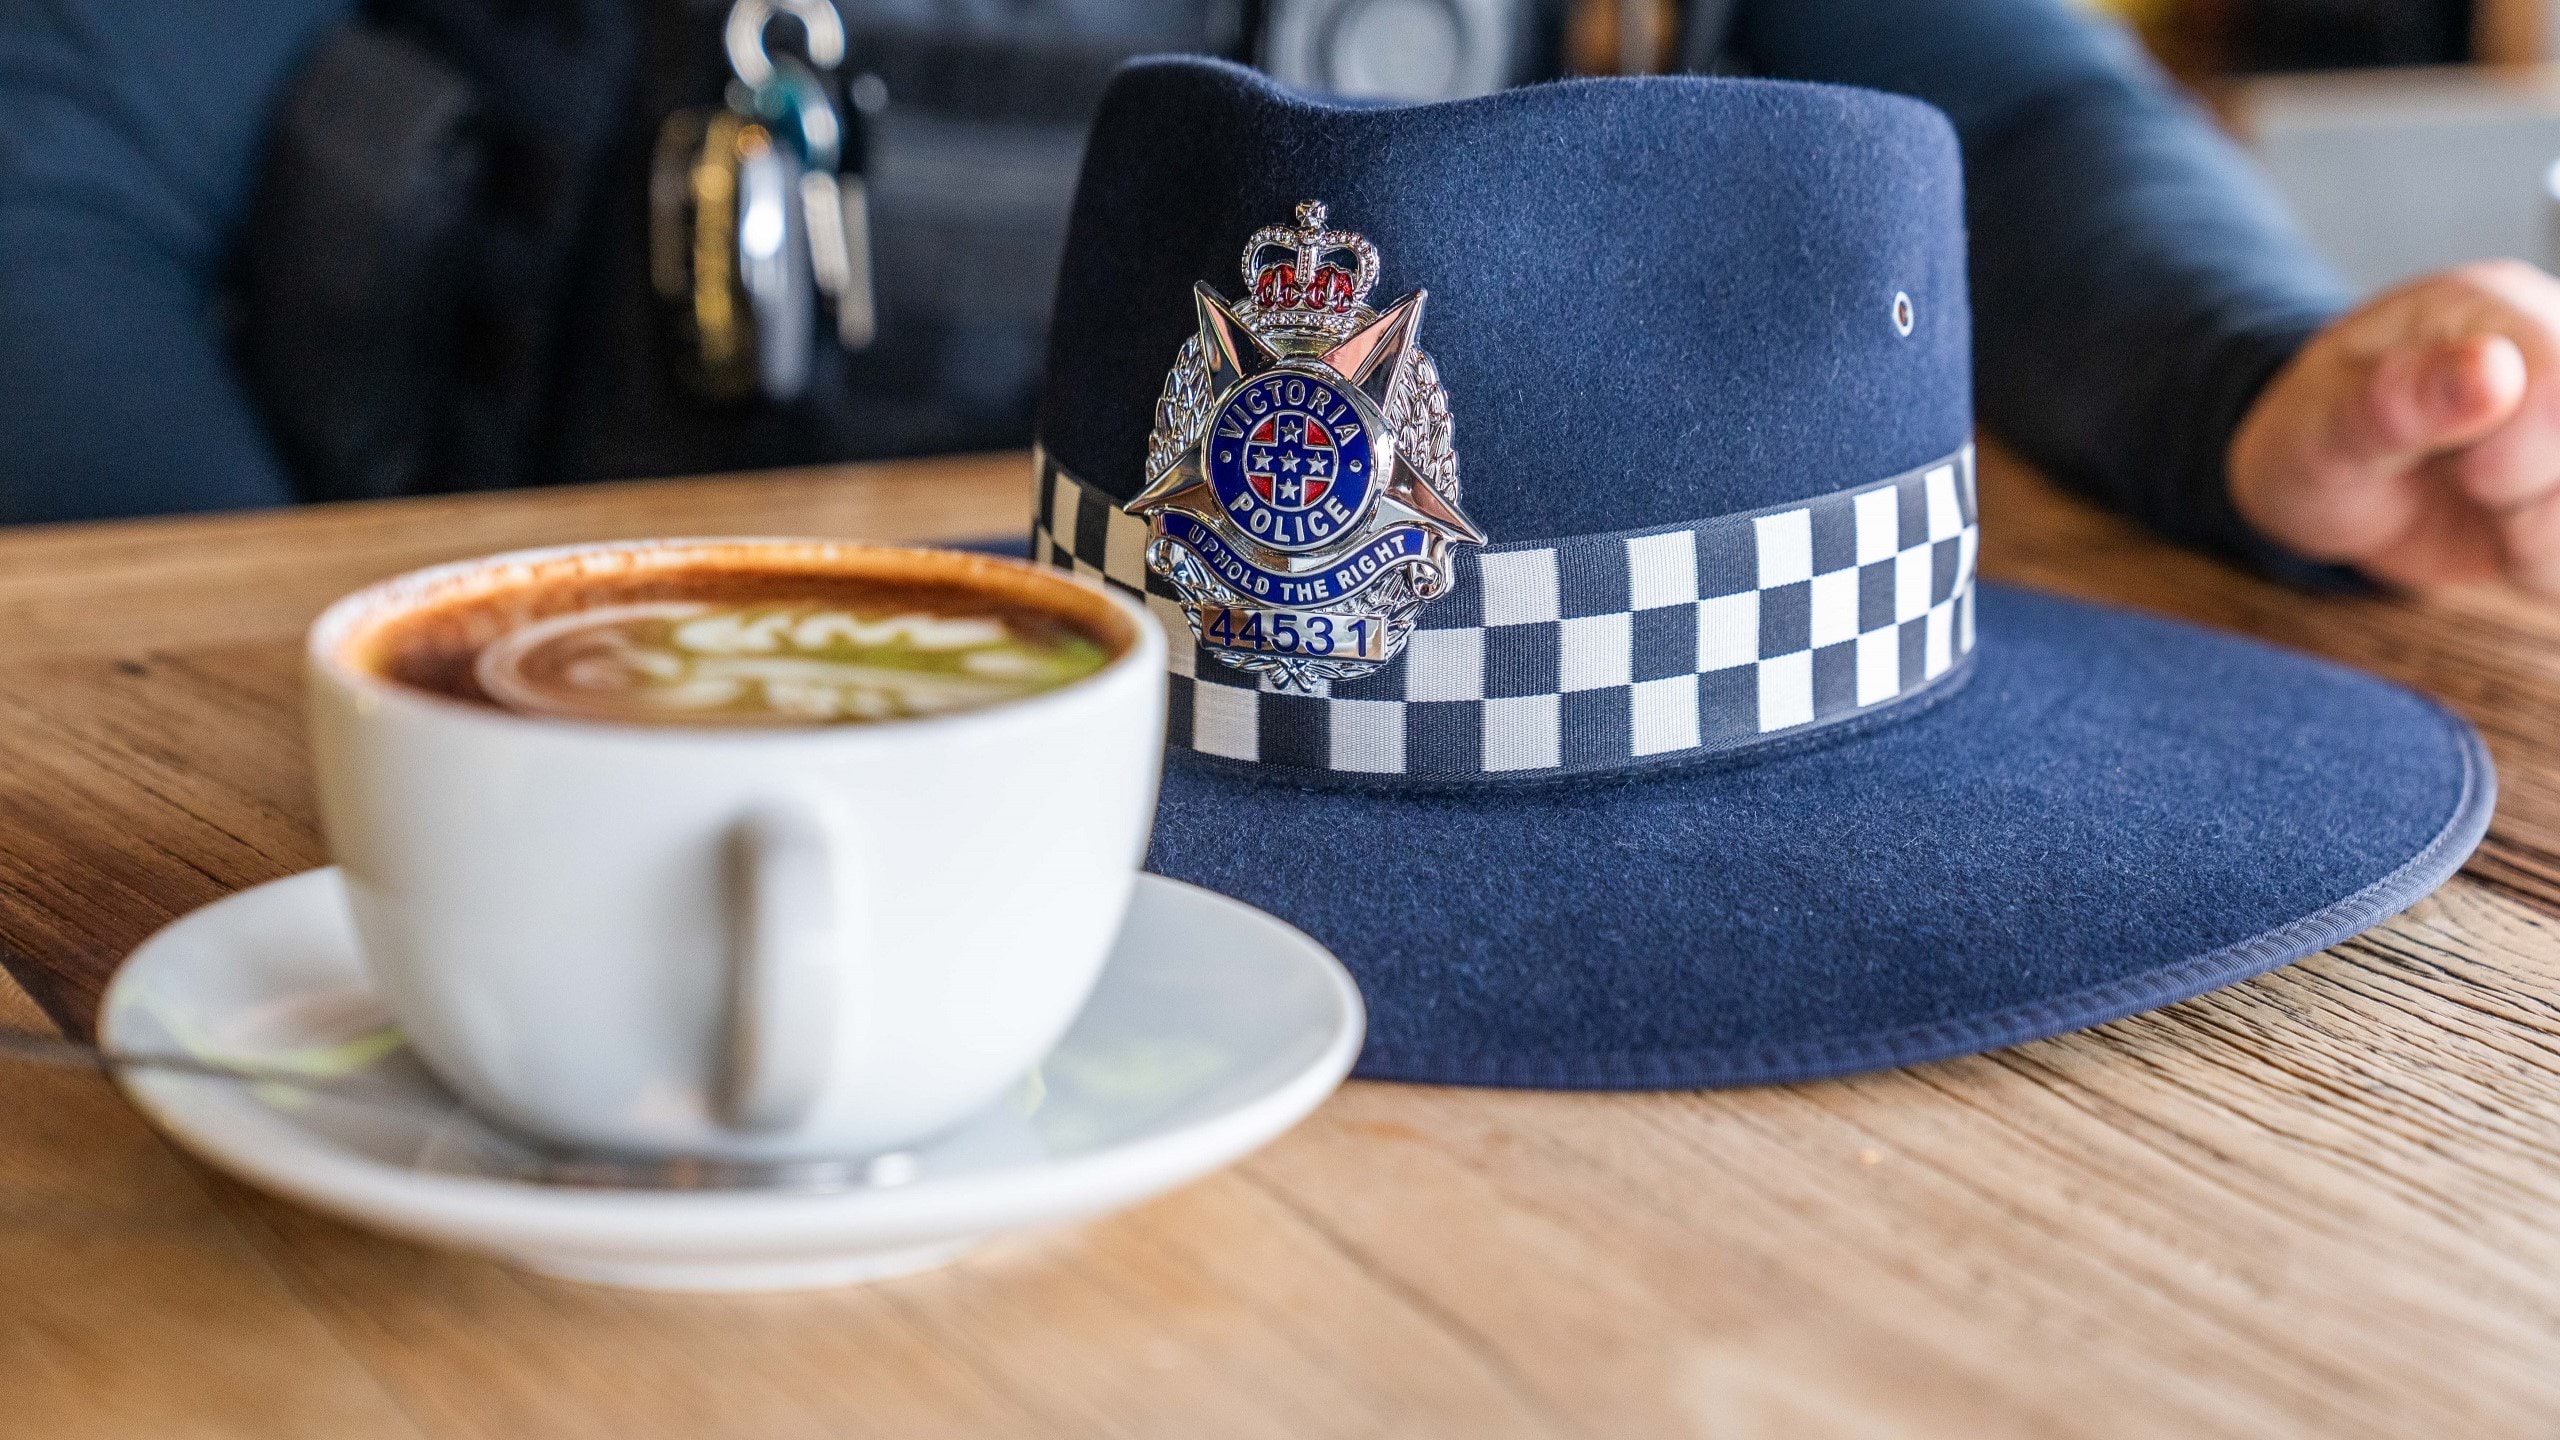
(736, 643)
(759, 849)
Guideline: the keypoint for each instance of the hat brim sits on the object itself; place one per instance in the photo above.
(2116, 813)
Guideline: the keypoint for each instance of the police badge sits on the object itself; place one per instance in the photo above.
(1302, 492)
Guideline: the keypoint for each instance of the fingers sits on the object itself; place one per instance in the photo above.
(2440, 540)
(2470, 387)
(2422, 399)
(2419, 436)
(2529, 539)
(2517, 463)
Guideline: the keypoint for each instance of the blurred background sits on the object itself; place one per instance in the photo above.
(439, 245)
(2406, 135)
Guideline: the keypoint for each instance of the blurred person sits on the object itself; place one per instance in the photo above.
(193, 318)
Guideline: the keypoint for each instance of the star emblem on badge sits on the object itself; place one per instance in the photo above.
(1371, 358)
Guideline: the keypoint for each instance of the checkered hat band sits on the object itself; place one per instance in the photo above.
(1595, 653)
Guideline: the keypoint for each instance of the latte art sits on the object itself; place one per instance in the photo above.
(699, 663)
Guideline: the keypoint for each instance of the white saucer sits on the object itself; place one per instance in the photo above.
(1215, 1027)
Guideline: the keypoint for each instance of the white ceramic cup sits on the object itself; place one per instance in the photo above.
(756, 943)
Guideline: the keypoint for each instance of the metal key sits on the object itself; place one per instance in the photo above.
(796, 102)
(729, 255)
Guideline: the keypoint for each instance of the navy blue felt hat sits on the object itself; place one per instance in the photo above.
(1668, 739)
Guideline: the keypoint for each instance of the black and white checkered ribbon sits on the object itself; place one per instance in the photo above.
(1596, 653)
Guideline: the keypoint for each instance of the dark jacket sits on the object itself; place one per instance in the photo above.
(2134, 285)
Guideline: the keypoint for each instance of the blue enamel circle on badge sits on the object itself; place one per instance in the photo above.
(1290, 460)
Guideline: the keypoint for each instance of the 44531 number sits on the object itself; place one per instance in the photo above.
(1295, 632)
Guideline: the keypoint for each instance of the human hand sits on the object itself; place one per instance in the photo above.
(2417, 438)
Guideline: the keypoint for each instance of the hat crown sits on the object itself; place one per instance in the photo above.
(1652, 300)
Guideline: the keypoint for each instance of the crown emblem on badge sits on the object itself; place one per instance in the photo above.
(1302, 488)
(1298, 277)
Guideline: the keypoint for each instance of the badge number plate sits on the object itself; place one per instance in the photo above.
(1316, 635)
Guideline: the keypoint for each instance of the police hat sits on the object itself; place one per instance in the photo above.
(1587, 648)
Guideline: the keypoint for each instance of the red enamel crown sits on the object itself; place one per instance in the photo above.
(1308, 277)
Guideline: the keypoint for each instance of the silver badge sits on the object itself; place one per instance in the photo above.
(1302, 493)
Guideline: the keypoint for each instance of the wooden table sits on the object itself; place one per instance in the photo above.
(2324, 1203)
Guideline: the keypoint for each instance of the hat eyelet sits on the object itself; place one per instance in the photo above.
(1902, 314)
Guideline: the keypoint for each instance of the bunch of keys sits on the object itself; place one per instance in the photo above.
(758, 213)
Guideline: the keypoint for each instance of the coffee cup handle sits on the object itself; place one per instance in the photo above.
(791, 936)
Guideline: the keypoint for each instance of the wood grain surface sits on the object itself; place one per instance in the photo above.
(2325, 1203)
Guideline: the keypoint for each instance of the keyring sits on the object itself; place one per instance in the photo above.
(795, 102)
(744, 36)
